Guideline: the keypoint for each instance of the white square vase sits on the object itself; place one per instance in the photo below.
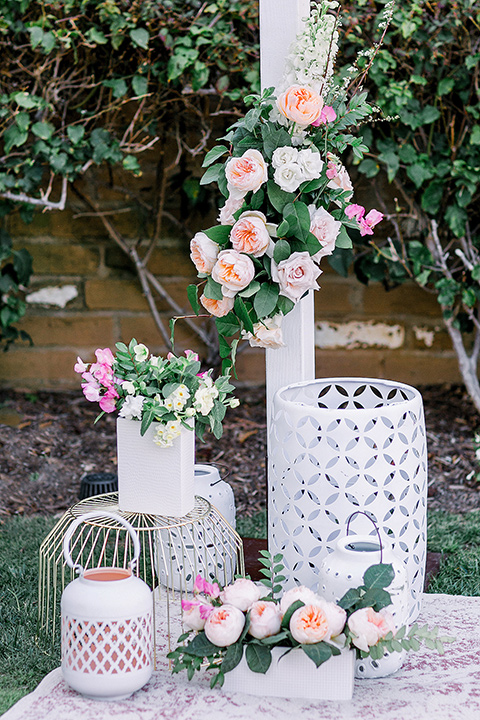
(154, 480)
(295, 675)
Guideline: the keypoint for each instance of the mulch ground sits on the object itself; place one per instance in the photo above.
(49, 440)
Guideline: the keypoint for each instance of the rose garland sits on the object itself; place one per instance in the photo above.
(246, 616)
(288, 197)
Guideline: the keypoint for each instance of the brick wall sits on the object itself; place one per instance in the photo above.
(360, 330)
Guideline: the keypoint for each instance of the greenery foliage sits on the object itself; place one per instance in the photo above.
(15, 271)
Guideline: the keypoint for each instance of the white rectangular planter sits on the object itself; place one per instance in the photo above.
(151, 479)
(295, 675)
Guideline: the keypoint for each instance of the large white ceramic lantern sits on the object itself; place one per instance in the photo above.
(339, 445)
(209, 485)
(345, 567)
(107, 624)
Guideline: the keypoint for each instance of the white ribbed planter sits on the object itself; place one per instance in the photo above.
(344, 444)
(295, 675)
(151, 479)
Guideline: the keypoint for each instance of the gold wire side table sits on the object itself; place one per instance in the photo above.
(173, 552)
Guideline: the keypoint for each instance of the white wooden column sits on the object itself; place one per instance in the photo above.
(280, 23)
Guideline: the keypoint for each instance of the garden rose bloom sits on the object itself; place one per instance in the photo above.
(249, 234)
(325, 228)
(195, 613)
(234, 271)
(224, 625)
(341, 181)
(219, 308)
(265, 619)
(245, 173)
(311, 164)
(296, 275)
(232, 204)
(267, 333)
(368, 626)
(241, 594)
(300, 104)
(284, 156)
(309, 625)
(336, 616)
(300, 592)
(289, 177)
(203, 252)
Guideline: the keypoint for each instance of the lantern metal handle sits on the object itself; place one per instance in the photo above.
(360, 512)
(95, 514)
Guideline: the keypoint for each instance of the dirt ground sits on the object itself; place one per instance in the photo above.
(48, 441)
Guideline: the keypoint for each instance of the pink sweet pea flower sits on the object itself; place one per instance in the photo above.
(108, 401)
(91, 391)
(105, 356)
(368, 222)
(355, 211)
(331, 170)
(80, 366)
(191, 355)
(170, 355)
(327, 115)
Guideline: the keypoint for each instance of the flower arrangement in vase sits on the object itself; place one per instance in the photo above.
(250, 623)
(159, 401)
(288, 197)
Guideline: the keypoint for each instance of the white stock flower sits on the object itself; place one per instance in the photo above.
(288, 177)
(141, 352)
(167, 432)
(311, 164)
(132, 407)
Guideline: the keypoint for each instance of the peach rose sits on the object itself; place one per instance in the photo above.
(250, 234)
(265, 619)
(234, 271)
(203, 252)
(368, 627)
(219, 308)
(267, 333)
(296, 275)
(300, 592)
(336, 616)
(309, 625)
(195, 613)
(241, 593)
(300, 104)
(325, 228)
(245, 173)
(224, 625)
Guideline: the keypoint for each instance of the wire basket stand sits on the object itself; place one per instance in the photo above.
(173, 552)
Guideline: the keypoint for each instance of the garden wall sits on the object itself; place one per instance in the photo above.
(85, 295)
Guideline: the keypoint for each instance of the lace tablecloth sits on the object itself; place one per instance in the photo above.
(428, 686)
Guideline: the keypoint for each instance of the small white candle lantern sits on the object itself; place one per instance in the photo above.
(209, 485)
(345, 567)
(107, 624)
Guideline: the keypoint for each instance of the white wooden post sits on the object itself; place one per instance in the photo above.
(280, 23)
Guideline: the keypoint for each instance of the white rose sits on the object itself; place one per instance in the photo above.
(265, 619)
(284, 156)
(141, 352)
(300, 592)
(132, 407)
(241, 594)
(311, 164)
(289, 177)
(267, 333)
(296, 275)
(325, 228)
(203, 252)
(224, 625)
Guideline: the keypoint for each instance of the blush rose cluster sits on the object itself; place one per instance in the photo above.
(288, 198)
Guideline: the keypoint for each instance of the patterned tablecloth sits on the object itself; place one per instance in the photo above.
(428, 686)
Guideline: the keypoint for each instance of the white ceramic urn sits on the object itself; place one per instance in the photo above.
(107, 625)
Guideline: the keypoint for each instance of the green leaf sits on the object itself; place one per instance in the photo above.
(140, 85)
(22, 264)
(232, 657)
(379, 576)
(242, 314)
(214, 154)
(343, 239)
(279, 198)
(274, 138)
(298, 217)
(75, 133)
(291, 609)
(432, 197)
(266, 299)
(212, 174)
(445, 86)
(350, 599)
(140, 37)
(285, 305)
(318, 652)
(96, 36)
(23, 121)
(25, 100)
(213, 290)
(192, 294)
(281, 251)
(118, 86)
(258, 657)
(200, 646)
(219, 233)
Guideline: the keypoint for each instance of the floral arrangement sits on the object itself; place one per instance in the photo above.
(288, 197)
(171, 391)
(250, 616)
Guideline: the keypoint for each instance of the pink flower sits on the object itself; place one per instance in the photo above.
(108, 401)
(331, 170)
(202, 586)
(354, 211)
(369, 221)
(341, 181)
(241, 594)
(195, 613)
(224, 625)
(234, 271)
(267, 333)
(232, 204)
(300, 592)
(296, 275)
(309, 625)
(218, 308)
(80, 366)
(368, 627)
(91, 391)
(105, 356)
(249, 234)
(327, 115)
(246, 173)
(336, 616)
(190, 355)
(300, 104)
(203, 252)
(265, 619)
(325, 228)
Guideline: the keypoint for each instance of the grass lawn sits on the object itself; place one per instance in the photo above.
(23, 662)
